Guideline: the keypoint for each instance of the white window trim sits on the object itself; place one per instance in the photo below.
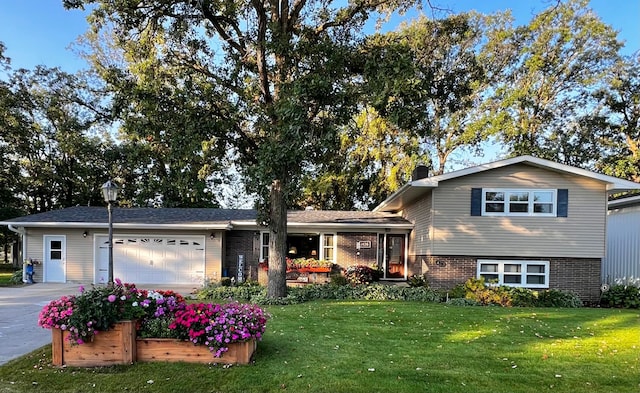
(262, 245)
(530, 211)
(523, 272)
(322, 246)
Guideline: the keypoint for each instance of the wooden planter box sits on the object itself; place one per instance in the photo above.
(315, 270)
(171, 350)
(119, 345)
(114, 346)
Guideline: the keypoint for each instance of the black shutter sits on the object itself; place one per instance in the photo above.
(563, 202)
(476, 201)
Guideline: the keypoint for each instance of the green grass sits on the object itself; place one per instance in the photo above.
(388, 347)
(5, 278)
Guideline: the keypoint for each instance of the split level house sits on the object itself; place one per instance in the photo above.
(522, 221)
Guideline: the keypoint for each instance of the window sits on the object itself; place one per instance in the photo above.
(328, 247)
(528, 274)
(499, 202)
(326, 242)
(55, 249)
(264, 246)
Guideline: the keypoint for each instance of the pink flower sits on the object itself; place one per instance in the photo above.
(111, 298)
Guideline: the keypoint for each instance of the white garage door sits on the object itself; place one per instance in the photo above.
(152, 259)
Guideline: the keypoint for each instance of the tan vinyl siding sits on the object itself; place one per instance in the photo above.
(213, 257)
(80, 250)
(419, 213)
(581, 234)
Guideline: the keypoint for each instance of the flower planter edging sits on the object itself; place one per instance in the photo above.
(120, 346)
(172, 350)
(114, 346)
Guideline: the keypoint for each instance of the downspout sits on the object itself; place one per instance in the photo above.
(22, 232)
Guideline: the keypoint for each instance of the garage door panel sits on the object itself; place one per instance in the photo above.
(156, 260)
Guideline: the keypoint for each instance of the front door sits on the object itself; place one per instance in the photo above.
(54, 259)
(392, 255)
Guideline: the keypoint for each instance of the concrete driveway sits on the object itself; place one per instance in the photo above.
(19, 309)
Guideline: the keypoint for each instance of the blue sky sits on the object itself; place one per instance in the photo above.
(41, 31)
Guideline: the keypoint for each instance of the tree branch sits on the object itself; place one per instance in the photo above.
(261, 57)
(217, 22)
(298, 5)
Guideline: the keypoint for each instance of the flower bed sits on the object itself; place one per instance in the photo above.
(303, 265)
(85, 327)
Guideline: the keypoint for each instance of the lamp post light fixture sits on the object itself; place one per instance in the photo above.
(110, 193)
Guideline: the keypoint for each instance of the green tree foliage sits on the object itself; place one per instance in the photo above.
(4, 61)
(431, 82)
(51, 158)
(283, 69)
(617, 124)
(373, 160)
(424, 88)
(168, 121)
(552, 65)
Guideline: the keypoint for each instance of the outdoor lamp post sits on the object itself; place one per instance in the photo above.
(110, 193)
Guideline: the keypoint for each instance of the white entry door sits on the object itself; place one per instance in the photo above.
(152, 259)
(54, 259)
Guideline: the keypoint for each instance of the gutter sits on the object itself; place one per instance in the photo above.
(292, 225)
(18, 230)
(79, 225)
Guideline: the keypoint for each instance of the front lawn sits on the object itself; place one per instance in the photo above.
(364, 346)
(5, 278)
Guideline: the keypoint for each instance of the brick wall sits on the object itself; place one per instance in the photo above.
(349, 255)
(579, 275)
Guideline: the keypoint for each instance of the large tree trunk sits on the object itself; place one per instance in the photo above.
(277, 285)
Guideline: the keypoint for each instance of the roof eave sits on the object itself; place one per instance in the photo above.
(363, 225)
(324, 225)
(396, 200)
(80, 225)
(624, 202)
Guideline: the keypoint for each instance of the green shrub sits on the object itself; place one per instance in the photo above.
(477, 290)
(477, 294)
(16, 278)
(240, 293)
(624, 296)
(361, 274)
(296, 295)
(523, 297)
(416, 281)
(459, 291)
(338, 280)
(559, 299)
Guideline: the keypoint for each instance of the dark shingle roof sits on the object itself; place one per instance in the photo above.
(197, 217)
(343, 217)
